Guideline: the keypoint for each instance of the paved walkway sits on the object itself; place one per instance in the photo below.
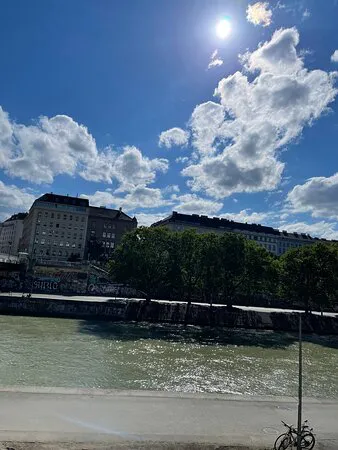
(110, 417)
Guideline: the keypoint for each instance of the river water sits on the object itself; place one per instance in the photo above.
(75, 353)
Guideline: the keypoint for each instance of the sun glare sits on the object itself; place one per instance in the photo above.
(223, 28)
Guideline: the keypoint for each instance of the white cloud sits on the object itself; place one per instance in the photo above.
(327, 230)
(318, 195)
(51, 147)
(279, 55)
(12, 197)
(175, 137)
(238, 141)
(59, 145)
(259, 14)
(206, 121)
(306, 14)
(182, 159)
(215, 60)
(138, 197)
(147, 219)
(334, 56)
(192, 204)
(130, 168)
(247, 215)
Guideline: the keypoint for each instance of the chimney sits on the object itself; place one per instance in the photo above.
(120, 209)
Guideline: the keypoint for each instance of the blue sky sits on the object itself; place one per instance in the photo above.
(141, 104)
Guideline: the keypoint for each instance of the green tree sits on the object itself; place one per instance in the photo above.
(309, 275)
(188, 245)
(260, 274)
(231, 260)
(209, 264)
(142, 260)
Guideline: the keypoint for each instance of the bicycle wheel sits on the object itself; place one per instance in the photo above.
(282, 442)
(307, 441)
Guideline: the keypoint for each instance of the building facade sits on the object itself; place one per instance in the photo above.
(105, 230)
(11, 233)
(273, 240)
(55, 228)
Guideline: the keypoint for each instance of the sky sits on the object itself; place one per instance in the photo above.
(222, 108)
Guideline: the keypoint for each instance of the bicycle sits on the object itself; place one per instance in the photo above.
(289, 439)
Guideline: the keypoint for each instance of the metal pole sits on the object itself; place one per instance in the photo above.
(300, 386)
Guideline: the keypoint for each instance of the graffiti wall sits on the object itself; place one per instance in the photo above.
(62, 281)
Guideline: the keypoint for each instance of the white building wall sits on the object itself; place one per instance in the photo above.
(11, 232)
(57, 231)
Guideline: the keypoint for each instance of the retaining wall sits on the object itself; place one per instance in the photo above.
(166, 312)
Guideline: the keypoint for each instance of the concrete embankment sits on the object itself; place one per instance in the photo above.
(129, 310)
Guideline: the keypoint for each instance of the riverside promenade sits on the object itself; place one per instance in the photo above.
(56, 418)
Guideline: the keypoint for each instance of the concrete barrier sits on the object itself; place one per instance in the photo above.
(128, 310)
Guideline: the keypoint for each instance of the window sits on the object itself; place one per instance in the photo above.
(43, 232)
(55, 243)
(105, 225)
(73, 244)
(107, 244)
(58, 216)
(79, 246)
(60, 253)
(36, 240)
(109, 225)
(46, 214)
(61, 244)
(108, 235)
(113, 235)
(92, 233)
(104, 234)
(75, 235)
(67, 244)
(76, 218)
(50, 224)
(70, 217)
(42, 241)
(82, 219)
(40, 214)
(112, 245)
(57, 225)
(52, 215)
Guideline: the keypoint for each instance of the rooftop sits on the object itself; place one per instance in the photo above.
(109, 213)
(64, 199)
(230, 225)
(18, 216)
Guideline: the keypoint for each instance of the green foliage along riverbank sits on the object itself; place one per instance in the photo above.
(224, 268)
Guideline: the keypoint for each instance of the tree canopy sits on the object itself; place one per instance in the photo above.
(224, 268)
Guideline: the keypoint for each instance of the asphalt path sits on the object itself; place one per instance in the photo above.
(51, 414)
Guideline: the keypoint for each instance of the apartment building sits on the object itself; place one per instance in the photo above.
(55, 228)
(273, 240)
(105, 230)
(10, 234)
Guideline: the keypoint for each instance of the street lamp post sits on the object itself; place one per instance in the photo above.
(300, 385)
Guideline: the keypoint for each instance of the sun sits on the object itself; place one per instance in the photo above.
(223, 28)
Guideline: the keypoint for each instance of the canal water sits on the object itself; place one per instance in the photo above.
(75, 353)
